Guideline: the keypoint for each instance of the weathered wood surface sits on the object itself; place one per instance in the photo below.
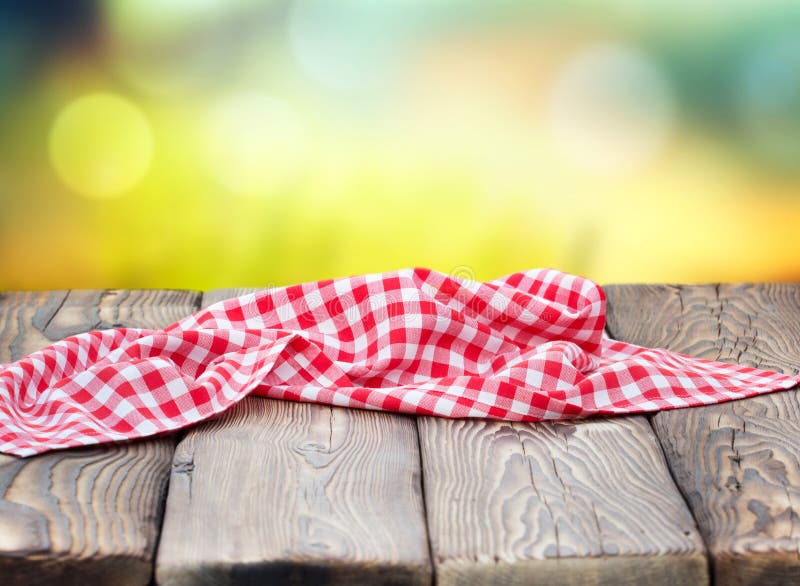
(738, 464)
(86, 515)
(587, 502)
(307, 493)
(284, 492)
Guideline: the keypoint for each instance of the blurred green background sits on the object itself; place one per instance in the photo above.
(209, 143)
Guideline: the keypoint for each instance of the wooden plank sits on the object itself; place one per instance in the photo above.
(738, 463)
(568, 503)
(295, 492)
(84, 515)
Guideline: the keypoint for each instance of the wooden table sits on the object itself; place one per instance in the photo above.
(280, 492)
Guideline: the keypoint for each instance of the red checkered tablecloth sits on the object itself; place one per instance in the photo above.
(526, 347)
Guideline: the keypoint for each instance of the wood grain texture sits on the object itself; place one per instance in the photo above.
(85, 515)
(285, 492)
(571, 503)
(738, 463)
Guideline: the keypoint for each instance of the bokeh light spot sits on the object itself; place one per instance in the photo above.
(254, 144)
(101, 145)
(346, 45)
(611, 109)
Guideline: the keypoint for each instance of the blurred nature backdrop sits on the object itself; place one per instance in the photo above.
(207, 143)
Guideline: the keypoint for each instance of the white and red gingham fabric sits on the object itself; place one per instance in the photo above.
(526, 347)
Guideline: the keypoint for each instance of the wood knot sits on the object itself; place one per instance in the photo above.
(313, 447)
(733, 484)
(183, 466)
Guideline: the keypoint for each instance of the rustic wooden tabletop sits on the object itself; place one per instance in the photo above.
(280, 492)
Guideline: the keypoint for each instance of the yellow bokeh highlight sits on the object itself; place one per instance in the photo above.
(101, 145)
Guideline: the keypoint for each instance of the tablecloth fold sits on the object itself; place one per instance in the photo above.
(527, 347)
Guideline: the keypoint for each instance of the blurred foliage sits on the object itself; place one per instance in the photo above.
(200, 144)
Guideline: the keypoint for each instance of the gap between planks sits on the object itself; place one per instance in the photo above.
(86, 514)
(736, 463)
